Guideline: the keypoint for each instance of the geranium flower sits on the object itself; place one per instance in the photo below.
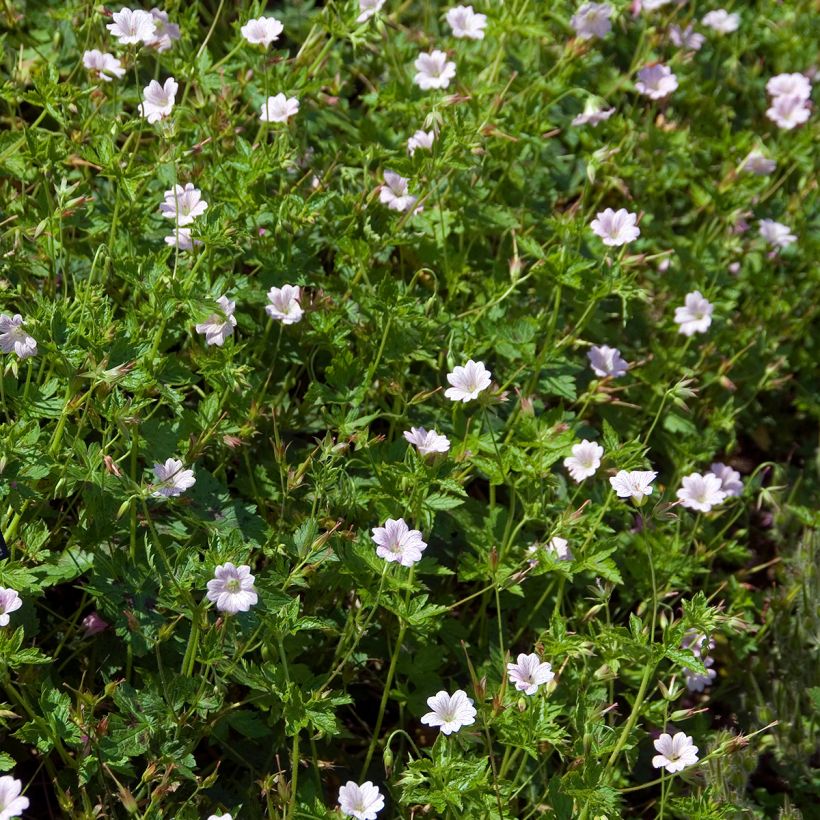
(651, 5)
(594, 113)
(559, 547)
(721, 21)
(225, 816)
(165, 33)
(427, 442)
(262, 31)
(279, 108)
(701, 492)
(105, 66)
(9, 602)
(468, 381)
(173, 478)
(231, 588)
(696, 682)
(93, 624)
(528, 673)
(730, 481)
(674, 753)
(395, 541)
(183, 204)
(616, 227)
(592, 20)
(285, 304)
(217, 327)
(132, 26)
(776, 233)
(607, 361)
(686, 38)
(466, 23)
(696, 314)
(394, 192)
(585, 460)
(656, 81)
(789, 85)
(450, 712)
(362, 802)
(158, 100)
(12, 804)
(634, 484)
(367, 8)
(788, 112)
(181, 238)
(758, 164)
(14, 339)
(421, 139)
(433, 70)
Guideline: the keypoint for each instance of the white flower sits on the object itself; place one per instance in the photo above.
(634, 484)
(158, 100)
(696, 314)
(225, 816)
(427, 441)
(165, 33)
(730, 481)
(592, 20)
(367, 8)
(701, 492)
(14, 338)
(279, 108)
(585, 460)
(789, 85)
(788, 112)
(559, 547)
(262, 31)
(721, 21)
(776, 233)
(468, 381)
(130, 27)
(9, 602)
(362, 802)
(528, 673)
(656, 81)
(433, 70)
(758, 164)
(594, 113)
(285, 304)
(11, 803)
(450, 712)
(421, 139)
(695, 682)
(394, 192)
(607, 361)
(686, 38)
(216, 328)
(231, 588)
(675, 753)
(466, 23)
(395, 541)
(651, 5)
(181, 238)
(173, 478)
(105, 66)
(616, 227)
(183, 204)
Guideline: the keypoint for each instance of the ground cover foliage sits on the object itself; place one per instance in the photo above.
(127, 691)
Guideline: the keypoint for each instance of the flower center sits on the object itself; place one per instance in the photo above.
(233, 585)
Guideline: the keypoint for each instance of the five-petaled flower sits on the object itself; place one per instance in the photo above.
(788, 111)
(231, 588)
(158, 100)
(674, 753)
(695, 316)
(103, 65)
(427, 442)
(132, 26)
(656, 81)
(466, 23)
(701, 492)
(421, 139)
(634, 484)
(607, 361)
(14, 339)
(395, 541)
(686, 38)
(12, 804)
(758, 164)
(594, 113)
(434, 70)
(183, 204)
(776, 233)
(616, 227)
(789, 85)
(279, 108)
(363, 801)
(218, 326)
(172, 478)
(450, 712)
(592, 20)
(181, 238)
(9, 602)
(730, 481)
(262, 31)
(528, 673)
(585, 460)
(165, 32)
(394, 192)
(285, 304)
(467, 381)
(368, 8)
(721, 21)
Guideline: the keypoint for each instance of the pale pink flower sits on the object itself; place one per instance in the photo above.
(181, 238)
(585, 460)
(528, 673)
(218, 326)
(721, 21)
(695, 681)
(651, 5)
(559, 547)
(656, 81)
(758, 164)
(183, 204)
(395, 541)
(132, 26)
(789, 85)
(12, 804)
(607, 361)
(262, 31)
(592, 20)
(105, 66)
(450, 712)
(10, 601)
(674, 753)
(394, 193)
(594, 113)
(279, 108)
(158, 100)
(14, 339)
(730, 481)
(165, 33)
(695, 316)
(225, 816)
(367, 8)
(467, 381)
(788, 112)
(427, 442)
(776, 233)
(686, 38)
(466, 23)
(433, 70)
(616, 227)
(634, 484)
(93, 624)
(172, 478)
(421, 139)
(231, 588)
(701, 492)
(362, 802)
(285, 304)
